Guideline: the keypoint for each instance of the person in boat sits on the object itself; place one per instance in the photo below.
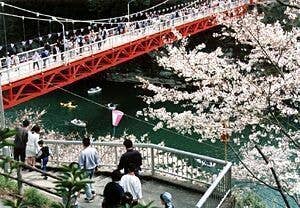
(95, 90)
(78, 122)
(112, 106)
(68, 105)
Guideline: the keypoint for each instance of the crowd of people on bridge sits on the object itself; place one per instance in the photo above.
(124, 189)
(76, 40)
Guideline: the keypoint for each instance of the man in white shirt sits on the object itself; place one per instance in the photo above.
(132, 184)
(89, 160)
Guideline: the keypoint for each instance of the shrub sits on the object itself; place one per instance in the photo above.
(7, 186)
(35, 199)
(248, 199)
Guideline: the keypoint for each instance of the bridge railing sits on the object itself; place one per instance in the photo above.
(54, 60)
(210, 175)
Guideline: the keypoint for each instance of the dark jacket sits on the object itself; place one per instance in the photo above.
(21, 137)
(43, 153)
(131, 156)
(112, 193)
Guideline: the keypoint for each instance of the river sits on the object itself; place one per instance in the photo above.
(92, 110)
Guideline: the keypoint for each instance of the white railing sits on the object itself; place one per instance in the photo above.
(27, 69)
(219, 190)
(206, 173)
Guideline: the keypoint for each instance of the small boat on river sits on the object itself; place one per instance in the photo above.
(68, 105)
(94, 90)
(112, 106)
(78, 122)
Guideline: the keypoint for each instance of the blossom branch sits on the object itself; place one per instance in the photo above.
(288, 5)
(275, 177)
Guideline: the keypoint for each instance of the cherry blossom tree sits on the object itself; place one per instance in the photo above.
(254, 99)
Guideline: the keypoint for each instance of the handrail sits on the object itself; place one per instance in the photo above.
(209, 191)
(145, 145)
(25, 69)
(159, 161)
(153, 28)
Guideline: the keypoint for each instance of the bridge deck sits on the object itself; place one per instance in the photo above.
(24, 81)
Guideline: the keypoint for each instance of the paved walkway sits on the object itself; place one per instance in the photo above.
(151, 191)
(2, 206)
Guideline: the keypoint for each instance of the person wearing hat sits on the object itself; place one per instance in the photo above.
(166, 199)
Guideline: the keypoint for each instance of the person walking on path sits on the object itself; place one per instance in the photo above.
(113, 192)
(43, 156)
(32, 146)
(131, 156)
(89, 160)
(20, 141)
(166, 200)
(132, 184)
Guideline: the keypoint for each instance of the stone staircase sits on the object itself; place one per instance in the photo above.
(183, 198)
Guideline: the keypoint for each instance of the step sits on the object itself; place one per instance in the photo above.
(151, 189)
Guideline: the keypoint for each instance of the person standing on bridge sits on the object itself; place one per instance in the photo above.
(89, 161)
(36, 58)
(8, 61)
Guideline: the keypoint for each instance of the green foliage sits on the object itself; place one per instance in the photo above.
(248, 199)
(32, 198)
(73, 179)
(7, 185)
(35, 199)
(14, 203)
(4, 134)
(149, 205)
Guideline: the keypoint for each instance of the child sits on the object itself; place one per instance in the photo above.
(43, 156)
(166, 200)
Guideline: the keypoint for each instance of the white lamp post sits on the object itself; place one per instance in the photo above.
(128, 9)
(2, 117)
(63, 31)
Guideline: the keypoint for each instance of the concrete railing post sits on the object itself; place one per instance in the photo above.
(20, 184)
(57, 154)
(6, 153)
(152, 162)
(116, 155)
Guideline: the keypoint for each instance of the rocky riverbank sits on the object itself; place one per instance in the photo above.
(165, 79)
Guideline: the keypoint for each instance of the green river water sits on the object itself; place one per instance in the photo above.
(90, 108)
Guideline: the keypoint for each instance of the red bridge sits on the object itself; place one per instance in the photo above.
(22, 82)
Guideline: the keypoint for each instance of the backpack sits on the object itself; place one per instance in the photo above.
(44, 152)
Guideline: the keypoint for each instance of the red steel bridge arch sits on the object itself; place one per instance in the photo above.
(31, 87)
